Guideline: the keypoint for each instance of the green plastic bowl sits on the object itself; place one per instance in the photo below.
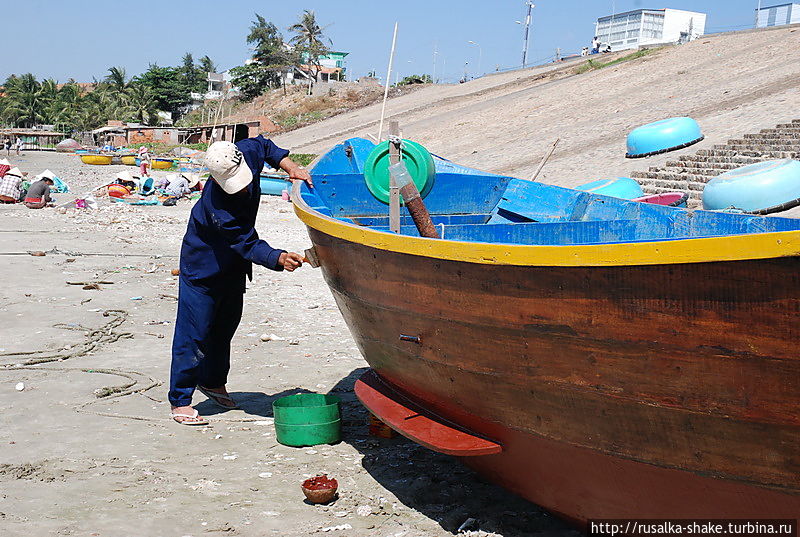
(307, 419)
(417, 159)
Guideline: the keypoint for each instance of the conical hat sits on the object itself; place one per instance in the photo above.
(5, 161)
(47, 174)
(125, 176)
(16, 172)
(192, 178)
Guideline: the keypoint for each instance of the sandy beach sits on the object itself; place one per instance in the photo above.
(73, 463)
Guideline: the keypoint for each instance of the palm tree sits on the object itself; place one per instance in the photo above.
(310, 40)
(24, 106)
(117, 79)
(206, 65)
(141, 103)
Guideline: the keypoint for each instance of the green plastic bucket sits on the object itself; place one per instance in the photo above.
(417, 159)
(307, 419)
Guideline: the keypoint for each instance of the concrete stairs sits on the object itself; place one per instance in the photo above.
(690, 173)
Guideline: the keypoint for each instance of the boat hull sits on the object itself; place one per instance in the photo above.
(649, 391)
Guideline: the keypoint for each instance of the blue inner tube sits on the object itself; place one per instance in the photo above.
(618, 187)
(769, 186)
(662, 136)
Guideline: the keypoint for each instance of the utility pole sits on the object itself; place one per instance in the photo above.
(558, 54)
(435, 52)
(530, 6)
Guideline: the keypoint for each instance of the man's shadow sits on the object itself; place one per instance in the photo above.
(437, 485)
(251, 403)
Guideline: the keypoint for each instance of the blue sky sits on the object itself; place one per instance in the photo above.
(82, 38)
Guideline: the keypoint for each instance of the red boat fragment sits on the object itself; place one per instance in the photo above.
(424, 428)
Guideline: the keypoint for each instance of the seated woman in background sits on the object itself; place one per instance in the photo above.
(38, 194)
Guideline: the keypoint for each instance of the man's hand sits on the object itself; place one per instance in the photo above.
(290, 261)
(296, 172)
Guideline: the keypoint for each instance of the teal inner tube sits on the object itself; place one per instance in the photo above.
(662, 136)
(618, 187)
(417, 159)
(763, 187)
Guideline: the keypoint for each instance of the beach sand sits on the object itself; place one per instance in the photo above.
(75, 464)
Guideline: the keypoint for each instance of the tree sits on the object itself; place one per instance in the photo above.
(207, 66)
(167, 86)
(415, 79)
(310, 41)
(270, 57)
(24, 105)
(142, 103)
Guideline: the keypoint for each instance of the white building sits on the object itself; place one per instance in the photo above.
(778, 15)
(648, 27)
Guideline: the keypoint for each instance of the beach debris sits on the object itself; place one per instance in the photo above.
(364, 510)
(265, 474)
(319, 489)
(152, 269)
(162, 295)
(91, 286)
(337, 528)
(96, 282)
(468, 524)
(136, 298)
(37, 253)
(20, 386)
(271, 337)
(175, 272)
(229, 457)
(294, 342)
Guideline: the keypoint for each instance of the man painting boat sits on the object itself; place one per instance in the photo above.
(218, 251)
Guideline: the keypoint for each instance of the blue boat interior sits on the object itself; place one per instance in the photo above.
(474, 206)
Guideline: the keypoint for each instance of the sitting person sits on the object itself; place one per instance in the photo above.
(10, 186)
(181, 184)
(38, 194)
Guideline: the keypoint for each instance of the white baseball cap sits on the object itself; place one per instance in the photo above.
(227, 167)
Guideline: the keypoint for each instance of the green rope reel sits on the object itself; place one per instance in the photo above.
(416, 158)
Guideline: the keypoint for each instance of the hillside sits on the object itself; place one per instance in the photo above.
(731, 83)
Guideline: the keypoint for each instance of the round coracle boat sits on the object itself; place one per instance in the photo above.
(763, 188)
(662, 136)
(618, 187)
(98, 160)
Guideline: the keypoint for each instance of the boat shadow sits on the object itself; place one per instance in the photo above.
(436, 485)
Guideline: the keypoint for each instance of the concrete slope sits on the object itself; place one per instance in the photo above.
(731, 83)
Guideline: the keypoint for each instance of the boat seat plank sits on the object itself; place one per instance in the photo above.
(423, 427)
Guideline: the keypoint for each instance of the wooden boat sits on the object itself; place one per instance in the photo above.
(603, 358)
(99, 160)
(128, 160)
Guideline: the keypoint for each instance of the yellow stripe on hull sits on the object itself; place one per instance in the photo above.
(129, 160)
(699, 250)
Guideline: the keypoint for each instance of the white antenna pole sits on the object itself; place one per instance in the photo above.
(388, 81)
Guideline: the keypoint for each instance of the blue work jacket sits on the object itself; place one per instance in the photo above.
(221, 239)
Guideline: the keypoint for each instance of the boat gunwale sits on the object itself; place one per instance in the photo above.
(734, 247)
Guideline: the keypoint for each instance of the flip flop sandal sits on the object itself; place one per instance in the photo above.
(192, 420)
(218, 398)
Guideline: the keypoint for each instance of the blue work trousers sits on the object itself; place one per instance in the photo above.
(209, 312)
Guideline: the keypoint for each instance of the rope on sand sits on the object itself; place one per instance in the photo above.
(95, 338)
